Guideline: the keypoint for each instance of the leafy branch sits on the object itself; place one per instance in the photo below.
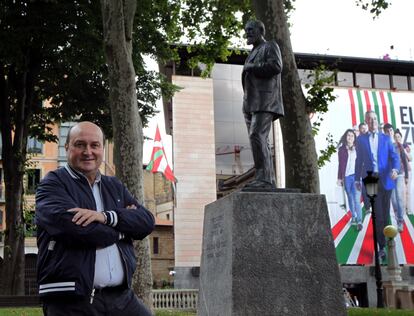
(326, 154)
(319, 96)
(375, 7)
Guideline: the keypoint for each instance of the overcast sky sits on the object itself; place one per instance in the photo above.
(339, 27)
(336, 27)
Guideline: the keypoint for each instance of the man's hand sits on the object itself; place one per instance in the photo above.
(84, 216)
(394, 174)
(340, 182)
(132, 206)
(358, 185)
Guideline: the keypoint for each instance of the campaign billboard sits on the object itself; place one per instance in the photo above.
(352, 224)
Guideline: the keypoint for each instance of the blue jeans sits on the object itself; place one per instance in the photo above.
(354, 198)
(397, 198)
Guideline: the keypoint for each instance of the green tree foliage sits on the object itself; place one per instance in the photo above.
(375, 7)
(205, 26)
(319, 96)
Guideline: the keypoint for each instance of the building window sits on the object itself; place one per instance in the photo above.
(363, 80)
(306, 76)
(33, 180)
(345, 79)
(233, 154)
(155, 245)
(63, 133)
(382, 81)
(34, 146)
(29, 222)
(400, 82)
(168, 216)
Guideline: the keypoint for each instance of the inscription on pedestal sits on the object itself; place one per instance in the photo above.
(216, 245)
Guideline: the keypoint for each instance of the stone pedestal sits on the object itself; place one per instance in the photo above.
(269, 254)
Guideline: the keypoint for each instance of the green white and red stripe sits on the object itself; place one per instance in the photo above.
(158, 162)
(356, 247)
(370, 100)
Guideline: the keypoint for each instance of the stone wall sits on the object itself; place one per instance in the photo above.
(163, 261)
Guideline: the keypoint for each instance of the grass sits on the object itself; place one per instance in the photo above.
(351, 312)
(29, 311)
(379, 312)
(21, 311)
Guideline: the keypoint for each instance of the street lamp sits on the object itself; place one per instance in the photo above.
(371, 187)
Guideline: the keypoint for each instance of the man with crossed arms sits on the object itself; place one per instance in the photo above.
(86, 224)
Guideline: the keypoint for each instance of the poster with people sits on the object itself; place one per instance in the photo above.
(374, 131)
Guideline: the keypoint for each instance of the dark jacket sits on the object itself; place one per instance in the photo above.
(66, 257)
(342, 161)
(262, 85)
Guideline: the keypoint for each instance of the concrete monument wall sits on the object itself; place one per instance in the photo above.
(269, 254)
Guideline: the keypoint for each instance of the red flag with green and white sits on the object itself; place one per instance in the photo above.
(158, 162)
(371, 100)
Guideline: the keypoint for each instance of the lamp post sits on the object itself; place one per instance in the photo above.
(371, 187)
(394, 282)
(393, 268)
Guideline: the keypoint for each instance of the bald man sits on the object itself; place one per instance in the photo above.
(86, 223)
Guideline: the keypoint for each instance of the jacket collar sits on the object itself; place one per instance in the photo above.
(254, 52)
(78, 175)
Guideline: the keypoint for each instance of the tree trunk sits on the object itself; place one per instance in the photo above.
(14, 138)
(118, 17)
(13, 259)
(13, 160)
(301, 160)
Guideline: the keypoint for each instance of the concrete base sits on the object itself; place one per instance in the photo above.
(269, 254)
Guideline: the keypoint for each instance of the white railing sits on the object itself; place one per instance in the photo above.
(175, 299)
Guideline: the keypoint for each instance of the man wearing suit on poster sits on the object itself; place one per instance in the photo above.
(262, 102)
(376, 153)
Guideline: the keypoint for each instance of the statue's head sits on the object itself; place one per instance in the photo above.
(255, 32)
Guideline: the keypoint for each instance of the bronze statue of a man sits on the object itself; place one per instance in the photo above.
(262, 102)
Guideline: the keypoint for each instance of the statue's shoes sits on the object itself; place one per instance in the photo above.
(259, 186)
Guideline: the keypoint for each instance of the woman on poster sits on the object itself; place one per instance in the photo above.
(346, 175)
